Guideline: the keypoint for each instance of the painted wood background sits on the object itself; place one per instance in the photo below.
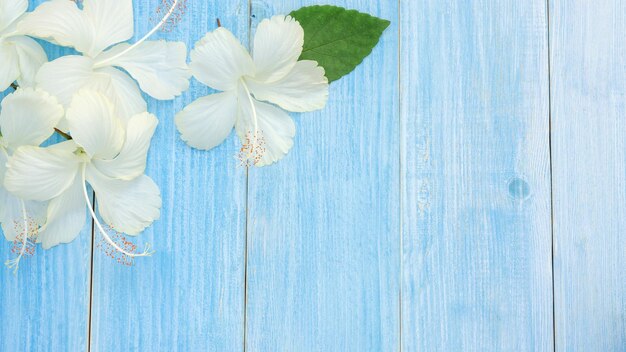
(464, 190)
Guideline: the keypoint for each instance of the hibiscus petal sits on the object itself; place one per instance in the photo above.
(126, 206)
(305, 88)
(30, 56)
(35, 173)
(65, 76)
(160, 67)
(28, 117)
(10, 10)
(274, 124)
(94, 126)
(10, 69)
(206, 122)
(63, 23)
(9, 204)
(131, 161)
(11, 212)
(65, 216)
(124, 93)
(12, 216)
(218, 60)
(112, 21)
(277, 46)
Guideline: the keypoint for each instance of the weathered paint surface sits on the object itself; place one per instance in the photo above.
(416, 212)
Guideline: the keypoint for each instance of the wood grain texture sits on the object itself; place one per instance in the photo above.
(323, 226)
(45, 307)
(476, 184)
(190, 295)
(588, 56)
(413, 213)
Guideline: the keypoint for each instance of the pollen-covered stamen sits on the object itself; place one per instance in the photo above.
(253, 147)
(121, 241)
(24, 243)
(175, 18)
(145, 37)
(147, 249)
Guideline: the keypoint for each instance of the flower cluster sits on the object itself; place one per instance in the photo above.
(94, 100)
(96, 106)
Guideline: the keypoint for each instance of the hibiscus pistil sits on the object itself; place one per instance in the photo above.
(161, 23)
(148, 248)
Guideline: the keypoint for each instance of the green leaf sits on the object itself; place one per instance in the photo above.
(338, 39)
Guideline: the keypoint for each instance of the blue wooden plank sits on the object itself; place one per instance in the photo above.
(323, 228)
(189, 296)
(45, 307)
(588, 57)
(476, 182)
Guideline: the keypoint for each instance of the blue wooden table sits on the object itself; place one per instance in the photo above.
(463, 190)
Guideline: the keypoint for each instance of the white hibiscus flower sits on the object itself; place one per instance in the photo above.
(21, 56)
(27, 118)
(160, 67)
(103, 152)
(273, 74)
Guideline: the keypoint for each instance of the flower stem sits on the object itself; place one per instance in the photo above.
(145, 37)
(147, 251)
(63, 134)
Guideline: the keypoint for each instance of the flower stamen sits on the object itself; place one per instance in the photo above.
(112, 253)
(175, 18)
(21, 245)
(145, 37)
(147, 249)
(252, 149)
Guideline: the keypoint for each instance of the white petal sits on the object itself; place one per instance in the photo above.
(61, 22)
(94, 126)
(11, 211)
(112, 21)
(127, 206)
(12, 216)
(4, 157)
(65, 216)
(131, 161)
(305, 88)
(218, 60)
(206, 122)
(160, 67)
(10, 68)
(274, 124)
(31, 57)
(10, 10)
(277, 46)
(28, 117)
(124, 93)
(65, 76)
(35, 173)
